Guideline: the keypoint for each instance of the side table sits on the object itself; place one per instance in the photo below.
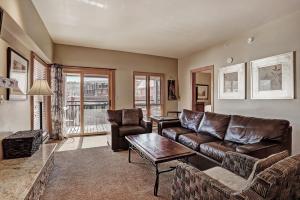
(158, 119)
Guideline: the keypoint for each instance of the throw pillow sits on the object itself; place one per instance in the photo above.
(130, 117)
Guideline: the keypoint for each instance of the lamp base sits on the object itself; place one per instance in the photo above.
(41, 115)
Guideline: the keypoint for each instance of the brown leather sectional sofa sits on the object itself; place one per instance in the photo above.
(211, 135)
(125, 122)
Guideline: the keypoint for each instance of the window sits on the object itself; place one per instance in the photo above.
(39, 71)
(148, 93)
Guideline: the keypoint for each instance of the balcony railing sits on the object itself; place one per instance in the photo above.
(94, 117)
(155, 108)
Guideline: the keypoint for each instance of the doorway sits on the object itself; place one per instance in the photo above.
(88, 94)
(148, 93)
(203, 89)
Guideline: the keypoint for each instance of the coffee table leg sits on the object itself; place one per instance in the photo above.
(157, 173)
(156, 180)
(129, 154)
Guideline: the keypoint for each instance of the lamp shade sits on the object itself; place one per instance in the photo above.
(40, 87)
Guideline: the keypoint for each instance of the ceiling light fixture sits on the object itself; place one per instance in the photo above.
(250, 40)
(229, 60)
(93, 3)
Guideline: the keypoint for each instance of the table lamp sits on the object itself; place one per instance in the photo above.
(40, 88)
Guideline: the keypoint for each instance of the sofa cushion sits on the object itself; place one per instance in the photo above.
(130, 117)
(261, 146)
(214, 124)
(115, 116)
(193, 140)
(227, 178)
(249, 130)
(263, 164)
(190, 119)
(173, 133)
(130, 130)
(217, 150)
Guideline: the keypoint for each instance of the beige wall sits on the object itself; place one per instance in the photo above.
(26, 16)
(280, 36)
(124, 63)
(15, 115)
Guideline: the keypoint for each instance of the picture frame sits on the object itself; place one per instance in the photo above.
(232, 82)
(172, 90)
(202, 92)
(273, 77)
(17, 68)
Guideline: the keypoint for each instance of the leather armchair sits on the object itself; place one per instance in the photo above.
(147, 124)
(116, 137)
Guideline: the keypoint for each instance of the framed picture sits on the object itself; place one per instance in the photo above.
(273, 77)
(171, 90)
(202, 92)
(17, 68)
(232, 82)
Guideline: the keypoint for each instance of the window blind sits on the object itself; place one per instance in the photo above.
(39, 72)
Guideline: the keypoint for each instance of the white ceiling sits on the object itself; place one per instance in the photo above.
(171, 28)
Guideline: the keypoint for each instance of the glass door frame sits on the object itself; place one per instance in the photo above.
(82, 71)
(162, 90)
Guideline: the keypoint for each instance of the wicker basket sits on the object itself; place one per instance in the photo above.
(21, 144)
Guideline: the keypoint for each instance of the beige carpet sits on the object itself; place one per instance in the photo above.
(98, 173)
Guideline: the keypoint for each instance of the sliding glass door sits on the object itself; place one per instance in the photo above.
(96, 102)
(72, 104)
(87, 96)
(148, 93)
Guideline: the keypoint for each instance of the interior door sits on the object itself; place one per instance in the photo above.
(88, 93)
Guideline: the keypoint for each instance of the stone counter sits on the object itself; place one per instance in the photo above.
(25, 178)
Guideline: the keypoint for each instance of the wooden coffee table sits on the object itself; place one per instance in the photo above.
(157, 149)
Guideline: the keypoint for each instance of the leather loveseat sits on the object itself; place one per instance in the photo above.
(211, 135)
(125, 122)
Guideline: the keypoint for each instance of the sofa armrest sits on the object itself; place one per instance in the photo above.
(191, 183)
(168, 124)
(146, 124)
(113, 135)
(246, 195)
(261, 149)
(239, 164)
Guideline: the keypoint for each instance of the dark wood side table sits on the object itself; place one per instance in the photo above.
(158, 119)
(177, 113)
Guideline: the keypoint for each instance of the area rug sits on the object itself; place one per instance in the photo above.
(100, 174)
